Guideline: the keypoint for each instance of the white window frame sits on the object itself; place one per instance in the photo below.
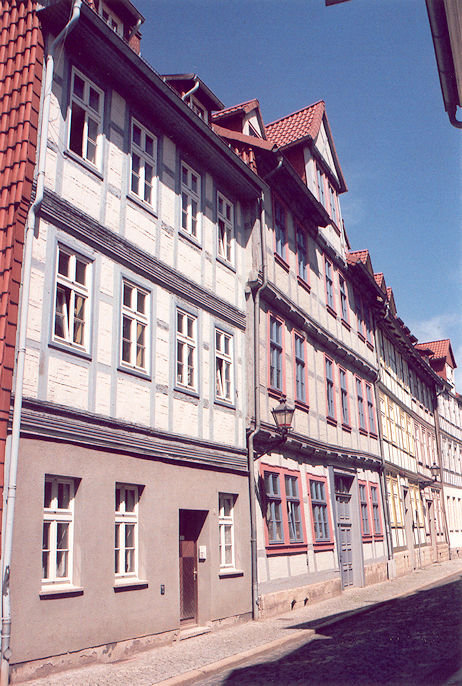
(72, 289)
(123, 519)
(186, 369)
(111, 19)
(53, 516)
(226, 523)
(198, 108)
(136, 318)
(140, 150)
(190, 200)
(224, 367)
(90, 115)
(225, 228)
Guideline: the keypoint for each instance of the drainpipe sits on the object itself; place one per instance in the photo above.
(439, 451)
(256, 383)
(193, 89)
(382, 480)
(21, 351)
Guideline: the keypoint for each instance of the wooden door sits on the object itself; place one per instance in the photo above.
(342, 498)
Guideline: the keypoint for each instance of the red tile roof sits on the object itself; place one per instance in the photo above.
(440, 349)
(379, 279)
(245, 107)
(354, 256)
(297, 126)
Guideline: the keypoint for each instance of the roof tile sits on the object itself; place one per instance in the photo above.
(296, 126)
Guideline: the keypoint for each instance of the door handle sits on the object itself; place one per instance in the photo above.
(195, 574)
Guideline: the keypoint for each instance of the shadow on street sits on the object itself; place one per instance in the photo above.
(410, 641)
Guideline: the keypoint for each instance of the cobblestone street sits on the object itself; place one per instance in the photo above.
(407, 641)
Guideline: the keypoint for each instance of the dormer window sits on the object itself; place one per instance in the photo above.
(198, 108)
(110, 18)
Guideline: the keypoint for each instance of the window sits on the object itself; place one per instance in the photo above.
(72, 299)
(368, 323)
(226, 530)
(293, 509)
(359, 316)
(280, 229)
(375, 510)
(135, 336)
(190, 200)
(110, 18)
(330, 389)
(275, 376)
(319, 510)
(329, 284)
(344, 397)
(361, 415)
(126, 534)
(333, 205)
(186, 350)
(225, 227)
(143, 163)
(198, 108)
(300, 369)
(223, 365)
(273, 508)
(284, 509)
(57, 537)
(85, 132)
(320, 178)
(365, 528)
(343, 298)
(302, 255)
(370, 410)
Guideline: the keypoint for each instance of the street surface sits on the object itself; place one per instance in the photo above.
(409, 641)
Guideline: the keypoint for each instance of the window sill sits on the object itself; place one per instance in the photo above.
(281, 261)
(331, 311)
(60, 591)
(191, 239)
(230, 405)
(321, 547)
(83, 163)
(304, 284)
(361, 337)
(346, 427)
(286, 549)
(129, 584)
(229, 573)
(187, 391)
(69, 348)
(300, 405)
(346, 325)
(275, 392)
(134, 372)
(141, 203)
(331, 421)
(370, 345)
(372, 434)
(367, 538)
(226, 263)
(378, 537)
(363, 432)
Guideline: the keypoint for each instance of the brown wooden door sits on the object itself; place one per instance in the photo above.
(190, 526)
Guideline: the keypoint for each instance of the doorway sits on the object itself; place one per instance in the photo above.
(190, 525)
(344, 525)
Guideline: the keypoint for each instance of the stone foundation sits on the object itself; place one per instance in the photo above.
(279, 602)
(375, 573)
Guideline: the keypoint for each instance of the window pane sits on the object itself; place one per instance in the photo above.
(77, 126)
(79, 86)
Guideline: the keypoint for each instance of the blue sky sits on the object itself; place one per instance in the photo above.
(374, 65)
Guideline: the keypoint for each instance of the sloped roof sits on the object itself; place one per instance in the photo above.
(380, 281)
(245, 107)
(354, 256)
(440, 350)
(298, 125)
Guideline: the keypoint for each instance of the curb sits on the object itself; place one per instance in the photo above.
(234, 660)
(191, 677)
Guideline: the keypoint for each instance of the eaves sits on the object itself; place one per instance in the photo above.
(97, 49)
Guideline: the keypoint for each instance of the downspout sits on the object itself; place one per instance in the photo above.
(21, 350)
(382, 480)
(193, 89)
(439, 451)
(453, 119)
(256, 381)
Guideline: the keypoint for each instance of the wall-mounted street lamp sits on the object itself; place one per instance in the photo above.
(283, 415)
(435, 472)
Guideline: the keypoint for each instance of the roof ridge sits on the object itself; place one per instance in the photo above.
(235, 107)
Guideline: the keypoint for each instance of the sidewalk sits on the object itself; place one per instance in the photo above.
(188, 661)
